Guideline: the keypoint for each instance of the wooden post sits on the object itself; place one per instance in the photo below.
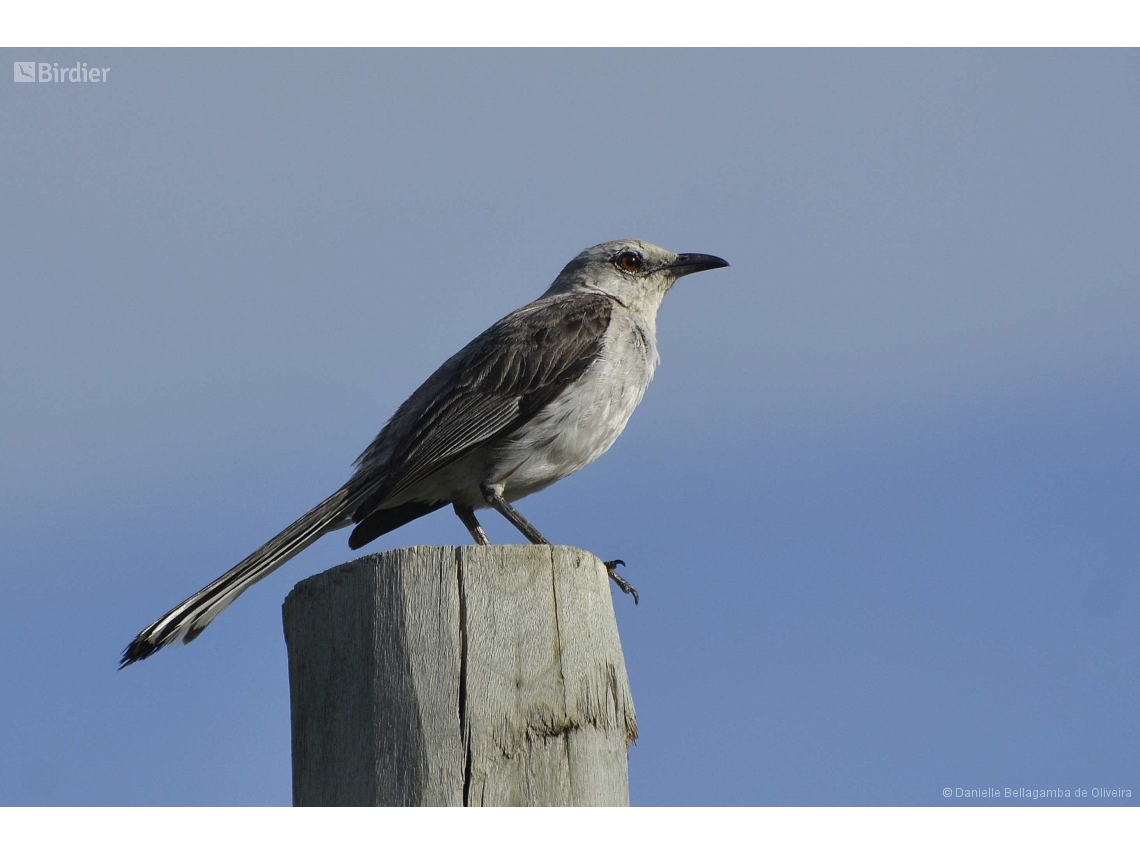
(459, 676)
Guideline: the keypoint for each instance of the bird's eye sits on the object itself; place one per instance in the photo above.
(629, 261)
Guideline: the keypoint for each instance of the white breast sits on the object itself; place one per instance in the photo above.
(584, 421)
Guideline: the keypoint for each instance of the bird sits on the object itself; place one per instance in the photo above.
(536, 397)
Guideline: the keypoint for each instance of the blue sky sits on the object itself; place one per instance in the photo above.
(880, 501)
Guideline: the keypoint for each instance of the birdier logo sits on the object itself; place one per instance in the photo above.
(51, 72)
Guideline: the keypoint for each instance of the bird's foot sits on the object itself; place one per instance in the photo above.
(611, 568)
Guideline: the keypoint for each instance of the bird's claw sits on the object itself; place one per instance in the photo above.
(611, 568)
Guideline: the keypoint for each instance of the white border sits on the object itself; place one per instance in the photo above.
(552, 831)
(602, 23)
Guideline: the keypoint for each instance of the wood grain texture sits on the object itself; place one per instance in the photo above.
(459, 676)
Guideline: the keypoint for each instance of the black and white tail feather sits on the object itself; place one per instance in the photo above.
(186, 621)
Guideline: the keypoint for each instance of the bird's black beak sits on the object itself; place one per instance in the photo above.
(695, 262)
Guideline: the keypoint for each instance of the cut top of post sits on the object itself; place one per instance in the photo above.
(459, 675)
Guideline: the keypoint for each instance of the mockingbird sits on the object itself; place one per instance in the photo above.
(536, 397)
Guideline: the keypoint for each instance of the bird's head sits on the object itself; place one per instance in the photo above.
(636, 273)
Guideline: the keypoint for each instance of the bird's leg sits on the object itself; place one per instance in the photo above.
(467, 514)
(611, 568)
(494, 497)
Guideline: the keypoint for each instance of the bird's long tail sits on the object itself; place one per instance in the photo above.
(187, 620)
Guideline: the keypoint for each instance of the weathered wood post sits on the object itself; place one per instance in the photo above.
(459, 676)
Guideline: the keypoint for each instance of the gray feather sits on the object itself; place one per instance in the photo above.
(492, 387)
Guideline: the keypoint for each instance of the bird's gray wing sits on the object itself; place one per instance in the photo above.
(492, 387)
